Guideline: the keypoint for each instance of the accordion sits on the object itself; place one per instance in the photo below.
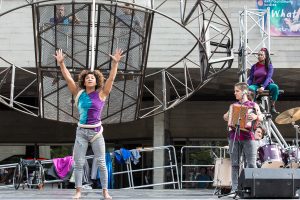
(240, 112)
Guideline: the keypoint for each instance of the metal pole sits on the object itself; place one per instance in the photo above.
(240, 60)
(175, 163)
(245, 56)
(297, 140)
(182, 11)
(262, 30)
(37, 44)
(185, 80)
(93, 36)
(152, 4)
(171, 165)
(181, 163)
(278, 133)
(131, 175)
(269, 25)
(12, 85)
(164, 86)
(276, 138)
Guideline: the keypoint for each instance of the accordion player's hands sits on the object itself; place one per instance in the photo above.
(226, 116)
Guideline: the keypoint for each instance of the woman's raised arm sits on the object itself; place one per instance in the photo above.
(112, 75)
(65, 72)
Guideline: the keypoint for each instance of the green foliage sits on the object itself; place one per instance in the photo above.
(61, 151)
(200, 157)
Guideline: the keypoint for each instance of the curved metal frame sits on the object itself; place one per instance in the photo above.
(180, 83)
(209, 63)
(11, 99)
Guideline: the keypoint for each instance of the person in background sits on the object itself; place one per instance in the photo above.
(60, 17)
(203, 176)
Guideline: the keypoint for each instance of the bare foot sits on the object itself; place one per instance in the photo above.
(40, 186)
(106, 195)
(77, 195)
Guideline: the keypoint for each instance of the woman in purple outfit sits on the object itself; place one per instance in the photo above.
(90, 94)
(260, 77)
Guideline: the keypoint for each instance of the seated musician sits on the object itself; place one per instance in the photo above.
(260, 140)
(242, 142)
(260, 77)
(259, 135)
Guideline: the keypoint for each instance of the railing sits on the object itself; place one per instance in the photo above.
(13, 166)
(172, 166)
(221, 154)
(8, 166)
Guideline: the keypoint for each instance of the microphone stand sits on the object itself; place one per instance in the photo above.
(236, 133)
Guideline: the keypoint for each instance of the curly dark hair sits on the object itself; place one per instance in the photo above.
(98, 75)
(263, 129)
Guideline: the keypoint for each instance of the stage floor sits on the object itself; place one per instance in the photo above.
(137, 194)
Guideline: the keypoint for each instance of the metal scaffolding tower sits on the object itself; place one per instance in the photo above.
(257, 22)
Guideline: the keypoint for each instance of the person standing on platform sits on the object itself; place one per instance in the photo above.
(242, 142)
(90, 94)
(60, 17)
(260, 77)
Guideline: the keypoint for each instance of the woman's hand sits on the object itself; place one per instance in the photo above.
(60, 57)
(260, 90)
(117, 56)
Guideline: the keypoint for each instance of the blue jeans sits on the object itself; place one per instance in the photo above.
(272, 87)
(236, 150)
(83, 136)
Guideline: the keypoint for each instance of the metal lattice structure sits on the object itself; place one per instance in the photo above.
(257, 22)
(252, 21)
(129, 27)
(116, 27)
(210, 54)
(11, 96)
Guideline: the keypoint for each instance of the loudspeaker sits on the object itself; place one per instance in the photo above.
(269, 183)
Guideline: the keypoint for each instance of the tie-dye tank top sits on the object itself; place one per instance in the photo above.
(90, 108)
